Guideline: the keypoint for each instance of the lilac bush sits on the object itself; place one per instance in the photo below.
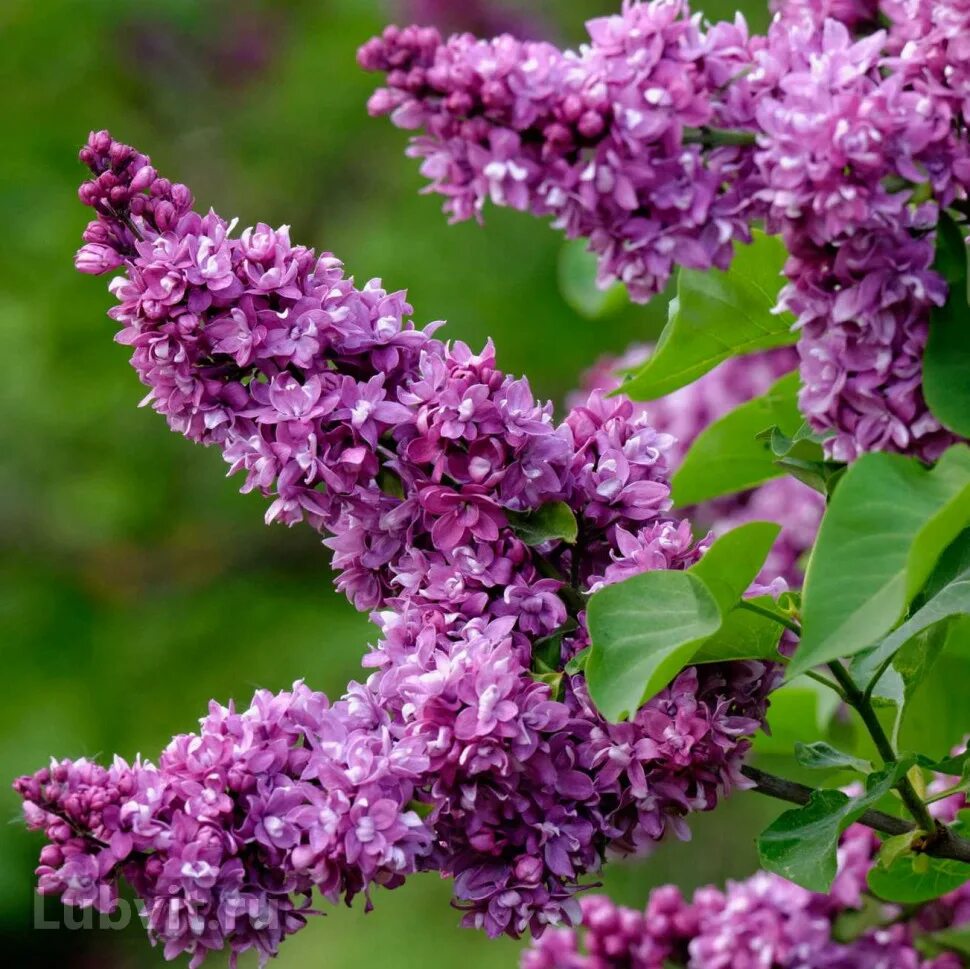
(508, 559)
(661, 140)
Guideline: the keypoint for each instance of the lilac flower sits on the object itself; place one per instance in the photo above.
(226, 838)
(497, 738)
(853, 13)
(461, 516)
(595, 139)
(682, 415)
(764, 921)
(408, 455)
(848, 127)
(837, 130)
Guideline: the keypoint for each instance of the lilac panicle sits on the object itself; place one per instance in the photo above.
(408, 454)
(849, 141)
(227, 837)
(763, 922)
(840, 134)
(598, 140)
(684, 413)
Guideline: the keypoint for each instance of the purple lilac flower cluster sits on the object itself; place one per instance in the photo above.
(764, 922)
(600, 141)
(857, 14)
(688, 411)
(410, 455)
(854, 144)
(226, 838)
(839, 135)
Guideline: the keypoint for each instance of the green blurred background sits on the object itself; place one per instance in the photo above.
(136, 582)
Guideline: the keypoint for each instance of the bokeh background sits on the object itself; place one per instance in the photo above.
(135, 582)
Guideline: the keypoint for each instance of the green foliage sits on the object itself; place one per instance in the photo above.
(730, 565)
(885, 528)
(908, 671)
(946, 362)
(647, 628)
(953, 599)
(718, 315)
(823, 756)
(907, 878)
(743, 635)
(801, 456)
(643, 631)
(553, 521)
(801, 844)
(728, 456)
(578, 285)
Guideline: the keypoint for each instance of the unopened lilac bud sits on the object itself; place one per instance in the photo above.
(143, 179)
(96, 258)
(51, 855)
(529, 870)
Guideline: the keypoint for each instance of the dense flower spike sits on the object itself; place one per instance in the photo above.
(661, 140)
(406, 452)
(226, 838)
(764, 922)
(601, 141)
(410, 455)
(688, 411)
(839, 136)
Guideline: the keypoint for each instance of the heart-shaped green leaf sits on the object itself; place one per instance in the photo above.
(717, 315)
(883, 532)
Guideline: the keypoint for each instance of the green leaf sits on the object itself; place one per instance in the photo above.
(885, 527)
(646, 629)
(957, 765)
(718, 315)
(553, 521)
(821, 476)
(578, 285)
(951, 600)
(727, 456)
(946, 360)
(743, 635)
(914, 660)
(823, 756)
(911, 879)
(954, 560)
(801, 844)
(731, 564)
(553, 680)
(578, 663)
(895, 847)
